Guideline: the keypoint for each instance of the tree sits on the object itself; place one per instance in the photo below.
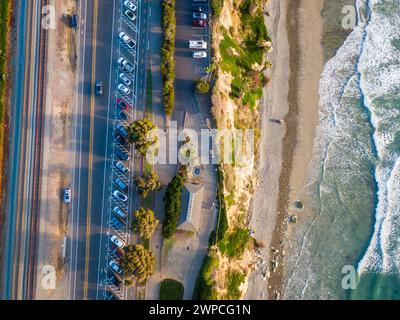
(172, 205)
(146, 222)
(147, 183)
(137, 263)
(202, 85)
(139, 134)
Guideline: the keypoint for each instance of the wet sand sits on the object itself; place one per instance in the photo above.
(286, 149)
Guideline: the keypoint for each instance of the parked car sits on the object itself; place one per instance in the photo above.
(117, 241)
(99, 88)
(130, 5)
(122, 115)
(115, 266)
(125, 79)
(120, 196)
(74, 21)
(118, 251)
(122, 104)
(121, 130)
(121, 140)
(121, 167)
(125, 65)
(121, 155)
(127, 40)
(130, 15)
(199, 15)
(119, 213)
(198, 8)
(199, 23)
(67, 195)
(199, 54)
(124, 89)
(110, 296)
(121, 184)
(114, 281)
(117, 223)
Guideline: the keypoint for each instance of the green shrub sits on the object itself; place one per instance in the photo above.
(205, 285)
(234, 279)
(171, 289)
(217, 6)
(167, 54)
(202, 86)
(223, 225)
(235, 243)
(172, 205)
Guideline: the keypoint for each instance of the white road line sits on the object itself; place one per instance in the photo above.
(80, 157)
(74, 161)
(80, 160)
(106, 149)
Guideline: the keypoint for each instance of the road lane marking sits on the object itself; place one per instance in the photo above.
(77, 201)
(106, 149)
(89, 203)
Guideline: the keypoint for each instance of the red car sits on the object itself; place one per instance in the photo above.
(122, 104)
(199, 23)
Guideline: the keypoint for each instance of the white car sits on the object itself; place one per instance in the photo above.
(115, 266)
(120, 196)
(198, 15)
(117, 241)
(125, 79)
(67, 195)
(199, 54)
(127, 40)
(124, 89)
(130, 5)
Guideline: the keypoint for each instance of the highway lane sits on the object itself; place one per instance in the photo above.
(93, 121)
(92, 137)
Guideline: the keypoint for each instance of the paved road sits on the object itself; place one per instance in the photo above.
(99, 49)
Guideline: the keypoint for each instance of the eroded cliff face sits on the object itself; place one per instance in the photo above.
(240, 42)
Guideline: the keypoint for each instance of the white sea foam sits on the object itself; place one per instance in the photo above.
(380, 78)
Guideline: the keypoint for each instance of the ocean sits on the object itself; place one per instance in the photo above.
(353, 190)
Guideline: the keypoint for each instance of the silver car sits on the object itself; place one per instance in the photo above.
(125, 79)
(124, 89)
(117, 210)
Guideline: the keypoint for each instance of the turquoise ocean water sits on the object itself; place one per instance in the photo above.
(354, 181)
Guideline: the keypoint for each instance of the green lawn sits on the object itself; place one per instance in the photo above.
(171, 290)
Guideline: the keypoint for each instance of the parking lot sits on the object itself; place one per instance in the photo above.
(125, 89)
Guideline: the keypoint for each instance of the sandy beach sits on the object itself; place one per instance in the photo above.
(286, 149)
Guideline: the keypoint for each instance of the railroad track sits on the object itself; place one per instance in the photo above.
(35, 192)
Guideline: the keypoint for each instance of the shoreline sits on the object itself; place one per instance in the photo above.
(286, 150)
(304, 27)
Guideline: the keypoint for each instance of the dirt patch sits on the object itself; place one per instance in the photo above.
(61, 68)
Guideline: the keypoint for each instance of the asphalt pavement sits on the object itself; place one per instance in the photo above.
(88, 252)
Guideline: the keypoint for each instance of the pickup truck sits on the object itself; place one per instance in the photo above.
(126, 65)
(197, 44)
